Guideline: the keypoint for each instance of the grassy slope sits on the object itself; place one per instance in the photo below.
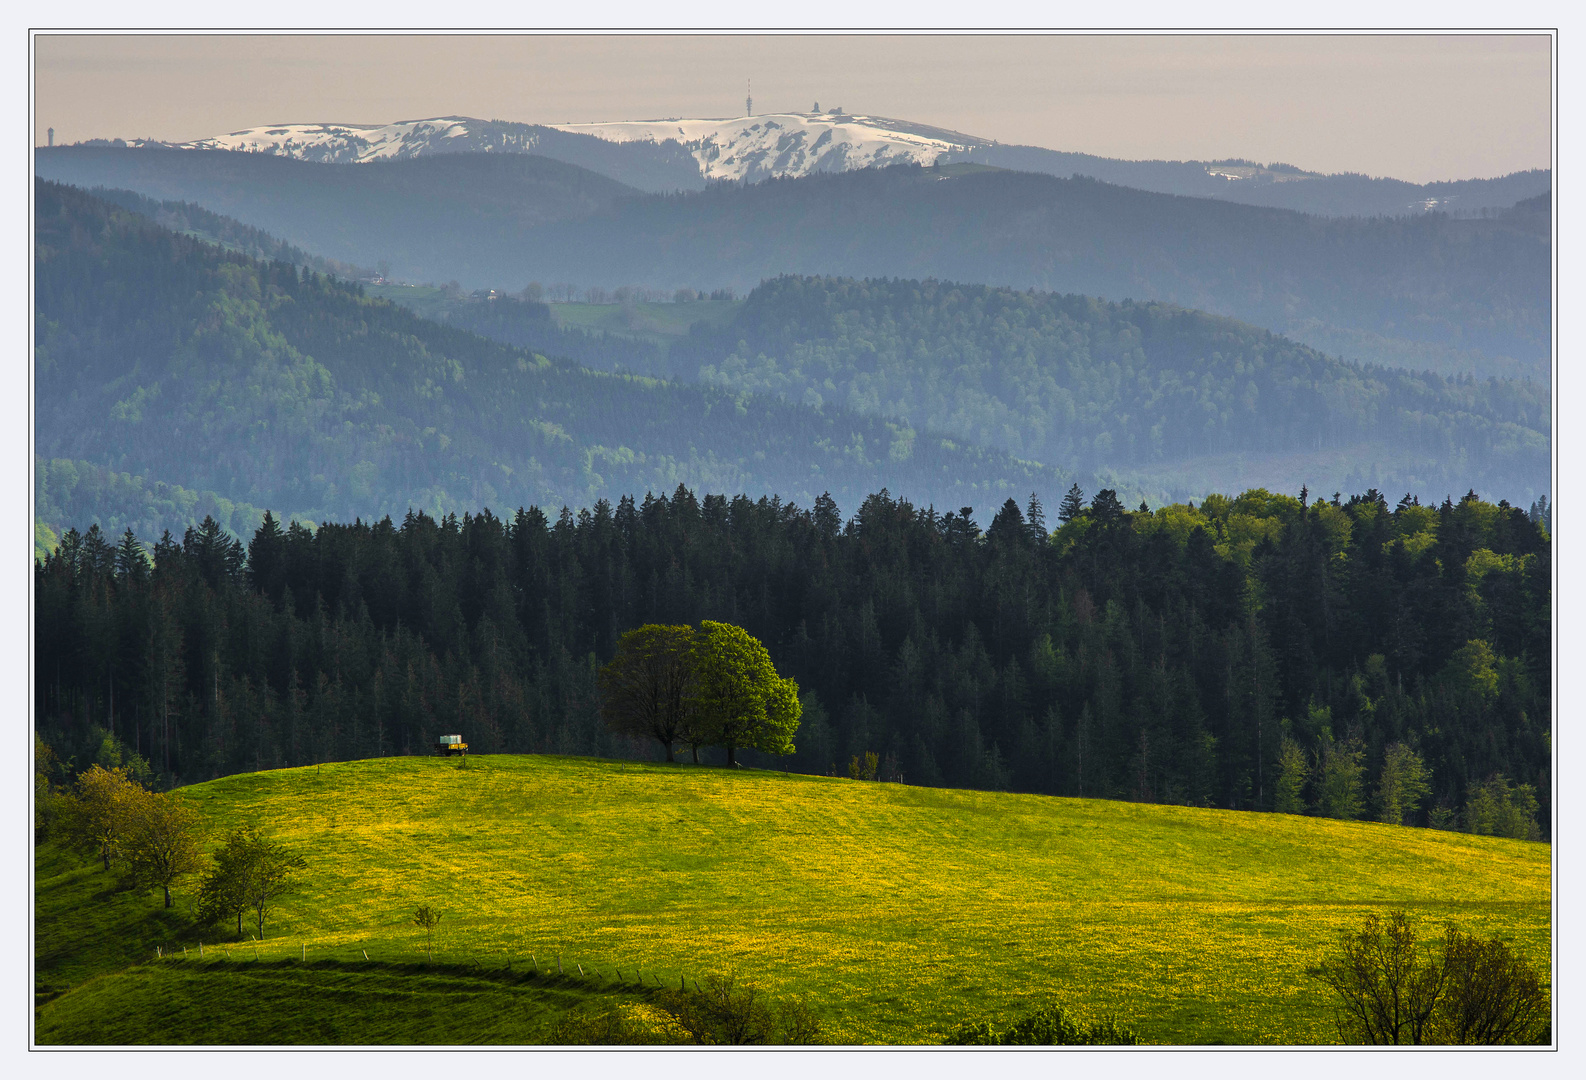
(902, 910)
(239, 1001)
(652, 322)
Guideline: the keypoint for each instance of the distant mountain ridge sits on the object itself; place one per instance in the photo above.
(683, 154)
(1418, 292)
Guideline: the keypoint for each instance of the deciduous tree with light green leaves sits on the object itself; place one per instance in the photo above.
(739, 697)
(1404, 785)
(1498, 808)
(1338, 773)
(251, 874)
(1288, 793)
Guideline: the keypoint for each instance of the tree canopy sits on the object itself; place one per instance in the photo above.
(647, 689)
(740, 698)
(1198, 654)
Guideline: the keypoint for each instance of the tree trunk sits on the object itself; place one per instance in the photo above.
(167, 896)
(692, 746)
(239, 922)
(732, 761)
(668, 744)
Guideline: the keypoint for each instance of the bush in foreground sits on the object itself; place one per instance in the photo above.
(1050, 1025)
(1464, 990)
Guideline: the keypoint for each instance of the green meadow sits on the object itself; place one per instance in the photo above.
(899, 911)
(658, 323)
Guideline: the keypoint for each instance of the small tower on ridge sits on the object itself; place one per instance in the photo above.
(748, 101)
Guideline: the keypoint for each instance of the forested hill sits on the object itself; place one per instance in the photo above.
(159, 356)
(1278, 185)
(227, 232)
(1259, 653)
(1132, 387)
(1154, 398)
(1422, 292)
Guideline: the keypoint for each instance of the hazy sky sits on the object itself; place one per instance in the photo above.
(1420, 108)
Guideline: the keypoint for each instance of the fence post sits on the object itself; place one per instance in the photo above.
(305, 950)
(559, 963)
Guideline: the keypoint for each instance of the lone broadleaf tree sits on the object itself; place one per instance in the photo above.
(647, 688)
(739, 697)
(163, 841)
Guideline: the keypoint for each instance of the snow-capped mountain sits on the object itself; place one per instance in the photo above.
(347, 143)
(746, 148)
(683, 155)
(790, 144)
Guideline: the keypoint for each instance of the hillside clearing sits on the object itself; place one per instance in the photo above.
(900, 910)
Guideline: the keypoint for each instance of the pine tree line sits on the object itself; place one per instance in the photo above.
(1180, 655)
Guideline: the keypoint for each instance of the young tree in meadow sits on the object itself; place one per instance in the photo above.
(163, 842)
(223, 893)
(97, 814)
(251, 874)
(1404, 785)
(646, 690)
(274, 872)
(741, 700)
(427, 919)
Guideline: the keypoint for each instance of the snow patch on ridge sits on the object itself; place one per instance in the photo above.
(347, 143)
(789, 144)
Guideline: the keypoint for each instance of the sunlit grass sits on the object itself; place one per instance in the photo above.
(900, 910)
(243, 1002)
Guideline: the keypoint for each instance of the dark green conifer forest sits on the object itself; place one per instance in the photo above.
(1190, 654)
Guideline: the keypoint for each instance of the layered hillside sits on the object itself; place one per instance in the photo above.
(163, 357)
(1132, 386)
(1152, 397)
(1425, 292)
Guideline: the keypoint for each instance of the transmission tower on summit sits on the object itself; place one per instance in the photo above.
(748, 101)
